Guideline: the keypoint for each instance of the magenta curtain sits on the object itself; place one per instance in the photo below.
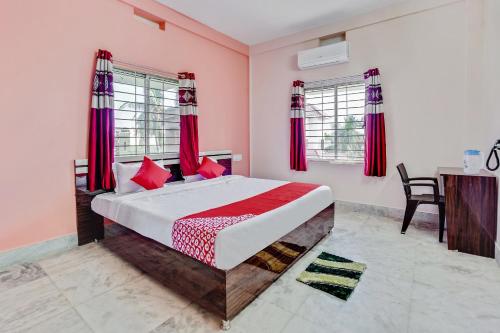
(298, 159)
(375, 151)
(189, 151)
(102, 128)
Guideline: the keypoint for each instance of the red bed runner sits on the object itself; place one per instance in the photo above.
(195, 234)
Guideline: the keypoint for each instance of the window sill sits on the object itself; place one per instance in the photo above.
(336, 162)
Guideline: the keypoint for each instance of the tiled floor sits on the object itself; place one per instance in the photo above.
(412, 284)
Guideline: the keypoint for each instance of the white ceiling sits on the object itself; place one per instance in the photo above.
(256, 21)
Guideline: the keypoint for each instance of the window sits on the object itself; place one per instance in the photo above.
(334, 120)
(147, 120)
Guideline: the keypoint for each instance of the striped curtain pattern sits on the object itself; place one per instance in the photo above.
(189, 150)
(375, 152)
(298, 160)
(102, 126)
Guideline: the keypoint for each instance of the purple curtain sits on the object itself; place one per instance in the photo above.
(102, 128)
(375, 153)
(298, 159)
(189, 151)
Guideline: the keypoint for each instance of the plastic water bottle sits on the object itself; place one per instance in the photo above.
(473, 161)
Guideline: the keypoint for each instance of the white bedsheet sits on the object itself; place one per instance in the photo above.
(153, 213)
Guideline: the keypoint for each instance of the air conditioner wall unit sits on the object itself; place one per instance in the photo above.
(324, 56)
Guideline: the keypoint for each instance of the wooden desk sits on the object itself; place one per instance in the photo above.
(471, 211)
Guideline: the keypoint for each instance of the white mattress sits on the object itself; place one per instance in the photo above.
(153, 213)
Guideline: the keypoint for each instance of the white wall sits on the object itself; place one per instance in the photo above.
(486, 129)
(483, 113)
(484, 119)
(423, 61)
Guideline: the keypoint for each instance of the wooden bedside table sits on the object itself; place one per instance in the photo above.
(90, 226)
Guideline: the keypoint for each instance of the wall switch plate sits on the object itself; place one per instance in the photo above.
(237, 157)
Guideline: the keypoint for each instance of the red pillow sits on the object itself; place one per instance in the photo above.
(150, 175)
(210, 169)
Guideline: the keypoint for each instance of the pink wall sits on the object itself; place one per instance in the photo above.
(47, 60)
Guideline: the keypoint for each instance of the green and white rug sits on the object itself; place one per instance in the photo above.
(332, 274)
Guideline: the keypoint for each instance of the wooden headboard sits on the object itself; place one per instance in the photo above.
(171, 161)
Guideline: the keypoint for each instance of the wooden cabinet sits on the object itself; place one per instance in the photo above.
(471, 211)
(90, 226)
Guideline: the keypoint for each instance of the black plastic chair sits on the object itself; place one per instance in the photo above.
(413, 200)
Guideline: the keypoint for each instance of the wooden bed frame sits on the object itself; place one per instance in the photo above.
(224, 293)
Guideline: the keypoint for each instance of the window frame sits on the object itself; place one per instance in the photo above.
(147, 116)
(321, 87)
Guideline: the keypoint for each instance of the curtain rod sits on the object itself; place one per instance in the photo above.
(146, 69)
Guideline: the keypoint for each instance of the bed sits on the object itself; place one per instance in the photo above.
(242, 267)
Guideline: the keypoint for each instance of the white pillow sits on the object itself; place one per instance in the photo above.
(124, 172)
(193, 178)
